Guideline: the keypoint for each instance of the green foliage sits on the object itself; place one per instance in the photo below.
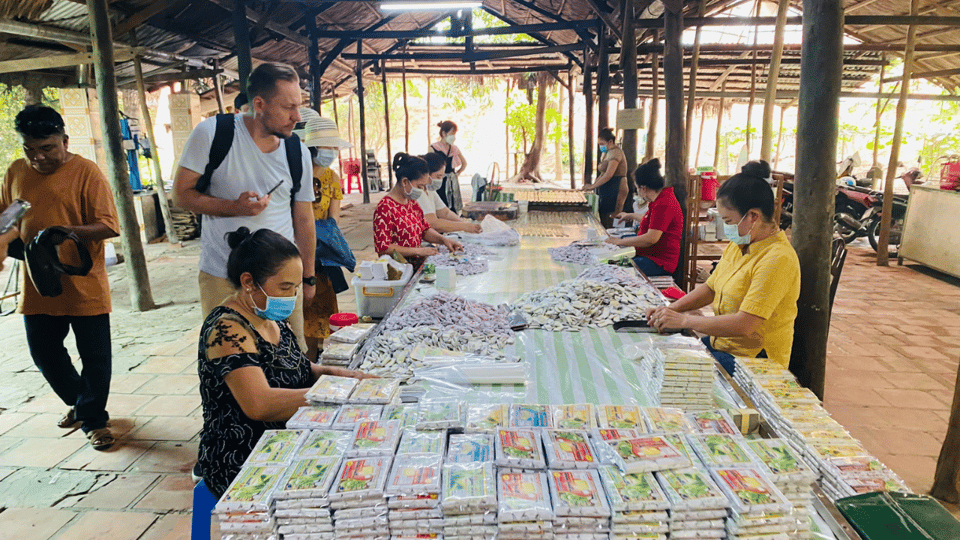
(481, 19)
(12, 99)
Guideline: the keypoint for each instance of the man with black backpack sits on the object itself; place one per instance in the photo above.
(250, 170)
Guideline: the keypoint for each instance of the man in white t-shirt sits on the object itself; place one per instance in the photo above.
(253, 186)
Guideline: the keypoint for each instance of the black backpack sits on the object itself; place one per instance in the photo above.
(223, 140)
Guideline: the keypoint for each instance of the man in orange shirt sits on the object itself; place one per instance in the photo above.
(69, 191)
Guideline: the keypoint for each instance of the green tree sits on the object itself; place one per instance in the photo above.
(12, 100)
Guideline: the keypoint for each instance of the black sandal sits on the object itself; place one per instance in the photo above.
(68, 420)
(101, 439)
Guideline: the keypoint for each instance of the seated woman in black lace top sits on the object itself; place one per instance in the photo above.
(253, 375)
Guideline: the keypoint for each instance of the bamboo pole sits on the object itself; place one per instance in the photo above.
(313, 56)
(429, 122)
(589, 140)
(557, 155)
(821, 71)
(217, 85)
(716, 148)
(386, 121)
(628, 64)
(363, 125)
(573, 165)
(676, 168)
(770, 92)
(703, 120)
(654, 105)
(776, 161)
(945, 479)
(753, 84)
(141, 299)
(691, 98)
(506, 131)
(880, 107)
(406, 110)
(883, 252)
(603, 81)
(241, 34)
(350, 124)
(155, 159)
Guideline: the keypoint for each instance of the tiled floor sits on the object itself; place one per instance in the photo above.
(893, 355)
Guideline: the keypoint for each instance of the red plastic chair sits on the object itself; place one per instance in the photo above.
(350, 168)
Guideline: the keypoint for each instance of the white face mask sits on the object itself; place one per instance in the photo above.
(451, 139)
(435, 184)
(414, 193)
(325, 157)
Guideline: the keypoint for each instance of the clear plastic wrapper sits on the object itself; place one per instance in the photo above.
(430, 500)
(646, 453)
(351, 415)
(691, 489)
(252, 490)
(422, 442)
(523, 496)
(313, 417)
(324, 443)
(352, 334)
(415, 474)
(441, 414)
(612, 434)
(750, 490)
(469, 488)
(781, 460)
(490, 372)
(667, 420)
(577, 416)
(308, 478)
(722, 450)
(375, 391)
(568, 449)
(361, 479)
(578, 493)
(713, 422)
(519, 448)
(620, 417)
(470, 448)
(487, 417)
(339, 351)
(375, 438)
(526, 415)
(406, 413)
(632, 492)
(331, 389)
(275, 447)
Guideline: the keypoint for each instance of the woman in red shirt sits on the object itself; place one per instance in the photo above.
(398, 223)
(657, 241)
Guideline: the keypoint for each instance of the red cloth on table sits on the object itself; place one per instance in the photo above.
(663, 215)
(395, 223)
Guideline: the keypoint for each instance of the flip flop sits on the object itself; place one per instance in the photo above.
(101, 439)
(68, 420)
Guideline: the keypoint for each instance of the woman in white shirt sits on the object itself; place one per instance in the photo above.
(441, 218)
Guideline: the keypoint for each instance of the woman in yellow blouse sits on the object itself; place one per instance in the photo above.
(322, 138)
(755, 286)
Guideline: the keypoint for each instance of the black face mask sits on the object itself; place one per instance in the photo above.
(43, 260)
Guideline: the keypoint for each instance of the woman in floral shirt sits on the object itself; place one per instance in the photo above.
(398, 223)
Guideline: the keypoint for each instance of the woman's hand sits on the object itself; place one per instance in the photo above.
(626, 216)
(344, 372)
(614, 240)
(473, 228)
(663, 318)
(426, 251)
(588, 187)
(452, 245)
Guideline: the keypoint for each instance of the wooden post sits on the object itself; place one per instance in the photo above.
(883, 241)
(336, 114)
(691, 98)
(386, 119)
(821, 70)
(429, 122)
(573, 165)
(363, 125)
(313, 55)
(506, 131)
(628, 65)
(241, 34)
(654, 104)
(753, 84)
(776, 160)
(676, 161)
(141, 299)
(589, 140)
(217, 85)
(603, 80)
(880, 107)
(773, 76)
(406, 110)
(155, 159)
(703, 120)
(716, 148)
(945, 479)
(557, 155)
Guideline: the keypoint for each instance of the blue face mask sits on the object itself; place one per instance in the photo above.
(603, 148)
(278, 307)
(325, 157)
(733, 233)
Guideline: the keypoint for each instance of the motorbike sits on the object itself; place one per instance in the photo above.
(874, 217)
(850, 206)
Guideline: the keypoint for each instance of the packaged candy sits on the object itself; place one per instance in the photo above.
(721, 450)
(375, 391)
(523, 496)
(309, 478)
(632, 492)
(422, 442)
(313, 417)
(610, 434)
(519, 448)
(331, 389)
(667, 420)
(568, 449)
(275, 447)
(405, 412)
(321, 443)
(361, 478)
(415, 474)
(579, 416)
(470, 448)
(251, 490)
(578, 493)
(351, 415)
(647, 453)
(620, 417)
(713, 422)
(524, 415)
(441, 414)
(375, 438)
(485, 418)
(469, 488)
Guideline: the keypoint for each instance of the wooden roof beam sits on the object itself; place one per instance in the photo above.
(255, 17)
(606, 17)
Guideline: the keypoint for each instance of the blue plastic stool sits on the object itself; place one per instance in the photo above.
(203, 503)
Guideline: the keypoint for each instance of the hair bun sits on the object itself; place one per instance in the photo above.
(399, 159)
(652, 165)
(238, 236)
(757, 169)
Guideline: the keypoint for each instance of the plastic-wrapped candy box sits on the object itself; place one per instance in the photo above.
(714, 423)
(375, 391)
(361, 480)
(352, 334)
(643, 454)
(632, 492)
(667, 420)
(309, 478)
(324, 443)
(525, 415)
(621, 417)
(331, 389)
(578, 494)
(578, 416)
(422, 442)
(313, 417)
(487, 417)
(569, 449)
(351, 415)
(405, 412)
(415, 474)
(470, 447)
(519, 449)
(375, 438)
(523, 497)
(722, 450)
(275, 447)
(469, 489)
(441, 414)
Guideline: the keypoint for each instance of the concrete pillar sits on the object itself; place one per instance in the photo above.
(184, 115)
(80, 114)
